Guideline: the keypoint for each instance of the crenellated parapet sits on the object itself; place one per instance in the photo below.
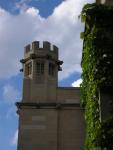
(35, 48)
(46, 52)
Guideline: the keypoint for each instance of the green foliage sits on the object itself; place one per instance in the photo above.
(106, 134)
(97, 66)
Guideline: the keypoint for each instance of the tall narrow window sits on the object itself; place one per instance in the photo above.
(40, 68)
(28, 69)
(51, 69)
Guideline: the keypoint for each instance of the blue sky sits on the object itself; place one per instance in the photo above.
(21, 22)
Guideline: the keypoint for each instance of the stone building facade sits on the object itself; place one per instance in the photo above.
(105, 2)
(50, 117)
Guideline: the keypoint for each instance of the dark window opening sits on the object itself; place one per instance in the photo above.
(28, 69)
(51, 69)
(40, 68)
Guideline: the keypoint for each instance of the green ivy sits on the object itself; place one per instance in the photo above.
(97, 66)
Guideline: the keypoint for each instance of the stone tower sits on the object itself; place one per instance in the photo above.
(50, 117)
(41, 67)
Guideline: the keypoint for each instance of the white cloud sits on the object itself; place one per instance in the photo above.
(61, 28)
(15, 138)
(22, 5)
(77, 83)
(32, 11)
(11, 94)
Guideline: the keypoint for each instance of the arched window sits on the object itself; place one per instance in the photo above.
(28, 68)
(40, 68)
(51, 69)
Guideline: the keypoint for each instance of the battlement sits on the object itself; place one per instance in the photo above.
(35, 47)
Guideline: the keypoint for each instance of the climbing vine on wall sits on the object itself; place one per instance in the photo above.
(97, 66)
